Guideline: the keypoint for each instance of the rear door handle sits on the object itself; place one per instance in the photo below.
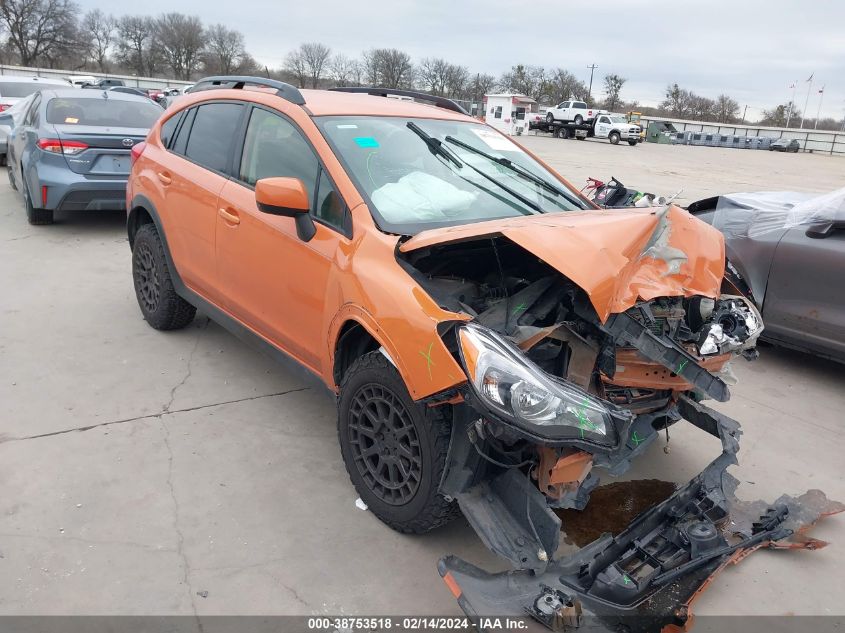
(164, 178)
(230, 216)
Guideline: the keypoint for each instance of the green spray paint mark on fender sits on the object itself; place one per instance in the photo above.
(429, 362)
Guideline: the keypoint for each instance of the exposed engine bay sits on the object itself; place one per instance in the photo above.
(556, 394)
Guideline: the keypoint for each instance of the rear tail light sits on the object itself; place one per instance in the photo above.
(57, 146)
(136, 152)
(5, 106)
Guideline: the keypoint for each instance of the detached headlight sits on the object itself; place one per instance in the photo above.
(512, 386)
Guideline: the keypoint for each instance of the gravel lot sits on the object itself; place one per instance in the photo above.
(140, 469)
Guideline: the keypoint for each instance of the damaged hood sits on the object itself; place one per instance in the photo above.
(617, 256)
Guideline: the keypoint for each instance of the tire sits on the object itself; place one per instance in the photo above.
(578, 119)
(550, 118)
(563, 133)
(632, 142)
(162, 308)
(394, 450)
(613, 137)
(11, 175)
(33, 215)
(580, 138)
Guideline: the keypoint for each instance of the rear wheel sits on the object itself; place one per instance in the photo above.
(162, 308)
(394, 449)
(563, 133)
(578, 119)
(613, 137)
(33, 215)
(11, 175)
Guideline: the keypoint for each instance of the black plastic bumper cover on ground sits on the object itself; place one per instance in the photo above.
(645, 578)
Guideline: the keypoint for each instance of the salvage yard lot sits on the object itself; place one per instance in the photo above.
(140, 470)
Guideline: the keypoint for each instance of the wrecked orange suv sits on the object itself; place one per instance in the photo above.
(494, 339)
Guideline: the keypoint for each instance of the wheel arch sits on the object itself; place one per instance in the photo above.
(142, 211)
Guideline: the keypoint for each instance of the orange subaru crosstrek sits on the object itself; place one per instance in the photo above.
(493, 338)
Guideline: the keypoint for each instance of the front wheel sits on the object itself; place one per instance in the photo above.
(613, 137)
(394, 449)
(550, 118)
(632, 142)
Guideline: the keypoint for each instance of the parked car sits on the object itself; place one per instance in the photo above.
(491, 335)
(576, 111)
(129, 90)
(13, 117)
(13, 91)
(71, 150)
(77, 81)
(786, 145)
(787, 253)
(103, 84)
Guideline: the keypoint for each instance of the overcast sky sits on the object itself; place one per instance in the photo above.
(751, 49)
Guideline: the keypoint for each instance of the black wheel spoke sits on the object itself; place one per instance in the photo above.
(385, 444)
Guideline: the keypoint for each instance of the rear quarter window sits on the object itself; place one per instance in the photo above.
(101, 112)
(213, 135)
(168, 128)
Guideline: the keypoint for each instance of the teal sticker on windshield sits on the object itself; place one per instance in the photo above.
(366, 141)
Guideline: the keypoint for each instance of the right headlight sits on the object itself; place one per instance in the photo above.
(516, 389)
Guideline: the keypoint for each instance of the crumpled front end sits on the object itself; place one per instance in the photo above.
(569, 378)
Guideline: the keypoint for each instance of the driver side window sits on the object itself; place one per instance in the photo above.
(273, 147)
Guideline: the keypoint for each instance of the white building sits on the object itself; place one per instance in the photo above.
(508, 113)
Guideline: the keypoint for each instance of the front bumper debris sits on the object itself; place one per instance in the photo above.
(645, 578)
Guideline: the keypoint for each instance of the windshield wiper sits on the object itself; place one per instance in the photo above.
(509, 164)
(434, 145)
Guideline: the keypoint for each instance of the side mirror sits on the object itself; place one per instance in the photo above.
(7, 119)
(289, 198)
(822, 230)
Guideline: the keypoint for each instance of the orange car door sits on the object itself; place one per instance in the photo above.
(274, 282)
(191, 175)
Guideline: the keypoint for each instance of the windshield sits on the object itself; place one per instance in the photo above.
(618, 119)
(102, 112)
(421, 174)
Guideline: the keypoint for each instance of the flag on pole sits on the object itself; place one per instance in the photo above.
(810, 78)
(821, 90)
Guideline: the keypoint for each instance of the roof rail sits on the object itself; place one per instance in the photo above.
(237, 82)
(440, 102)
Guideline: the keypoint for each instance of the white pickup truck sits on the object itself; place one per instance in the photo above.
(575, 111)
(615, 128)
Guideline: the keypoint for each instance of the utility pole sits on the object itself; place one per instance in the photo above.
(743, 113)
(592, 68)
(807, 100)
(819, 111)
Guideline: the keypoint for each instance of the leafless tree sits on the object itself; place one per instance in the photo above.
(100, 30)
(727, 109)
(295, 66)
(136, 44)
(433, 74)
(314, 56)
(612, 87)
(40, 29)
(344, 71)
(480, 85)
(527, 80)
(181, 39)
(563, 85)
(394, 68)
(225, 51)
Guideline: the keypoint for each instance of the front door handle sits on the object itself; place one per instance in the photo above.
(164, 178)
(230, 216)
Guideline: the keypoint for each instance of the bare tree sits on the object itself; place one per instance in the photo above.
(480, 85)
(563, 85)
(433, 74)
(135, 44)
(727, 109)
(40, 29)
(344, 71)
(295, 66)
(100, 31)
(314, 57)
(677, 100)
(394, 68)
(181, 39)
(457, 82)
(225, 51)
(527, 80)
(612, 87)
